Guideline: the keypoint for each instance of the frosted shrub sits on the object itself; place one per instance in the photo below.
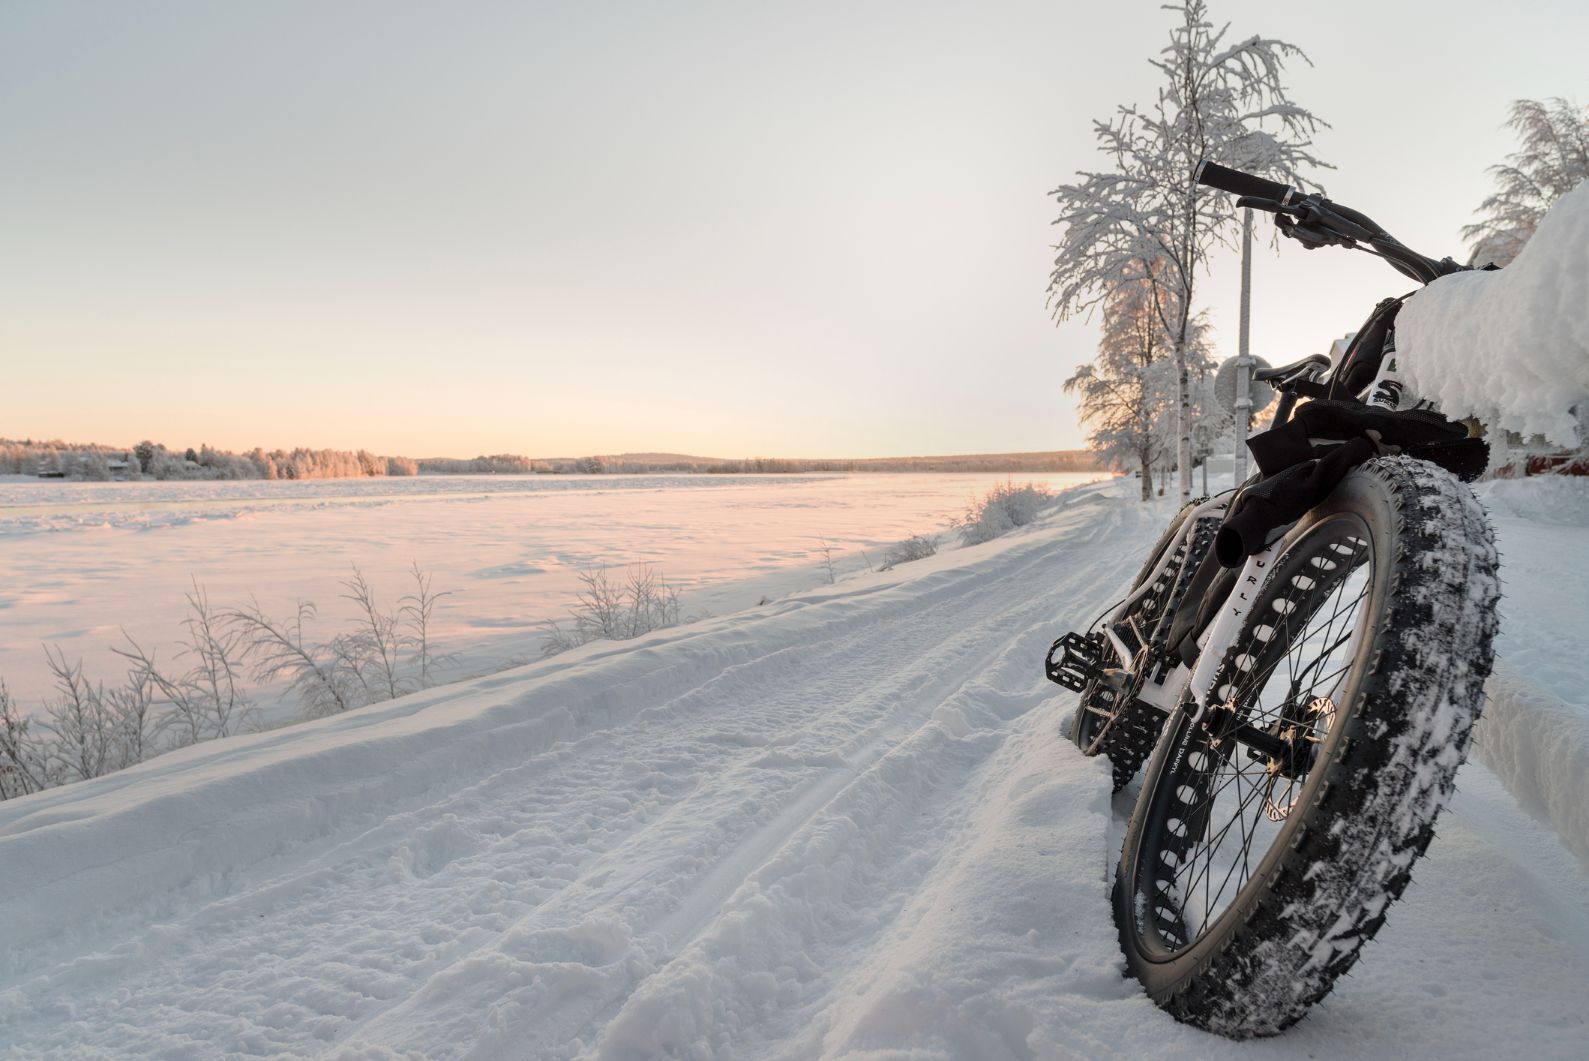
(1000, 511)
(916, 547)
(383, 657)
(87, 729)
(371, 651)
(279, 650)
(23, 763)
(415, 611)
(84, 731)
(608, 610)
(205, 700)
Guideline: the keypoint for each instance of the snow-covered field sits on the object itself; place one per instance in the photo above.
(85, 561)
(841, 824)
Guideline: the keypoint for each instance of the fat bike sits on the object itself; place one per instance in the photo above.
(1299, 663)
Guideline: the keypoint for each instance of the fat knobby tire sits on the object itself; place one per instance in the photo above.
(1368, 809)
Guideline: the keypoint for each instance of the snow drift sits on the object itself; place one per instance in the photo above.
(1509, 346)
(1538, 745)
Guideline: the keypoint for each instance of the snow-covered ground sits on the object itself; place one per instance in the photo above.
(84, 562)
(841, 824)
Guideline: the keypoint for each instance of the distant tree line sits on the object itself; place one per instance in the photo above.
(498, 464)
(1076, 460)
(152, 460)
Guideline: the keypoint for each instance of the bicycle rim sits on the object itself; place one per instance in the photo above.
(1243, 777)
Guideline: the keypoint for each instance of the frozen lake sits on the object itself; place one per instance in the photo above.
(82, 562)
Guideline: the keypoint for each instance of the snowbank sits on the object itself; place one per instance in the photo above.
(1538, 745)
(1510, 346)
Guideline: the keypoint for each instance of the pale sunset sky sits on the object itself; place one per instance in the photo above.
(796, 229)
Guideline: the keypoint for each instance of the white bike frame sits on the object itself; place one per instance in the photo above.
(1165, 695)
(1185, 684)
(1193, 687)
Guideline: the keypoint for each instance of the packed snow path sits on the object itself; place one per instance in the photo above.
(842, 824)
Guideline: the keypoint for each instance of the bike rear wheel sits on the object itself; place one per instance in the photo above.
(1272, 833)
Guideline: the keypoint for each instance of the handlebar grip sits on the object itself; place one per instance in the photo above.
(1236, 182)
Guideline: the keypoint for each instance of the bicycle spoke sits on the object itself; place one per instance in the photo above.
(1238, 794)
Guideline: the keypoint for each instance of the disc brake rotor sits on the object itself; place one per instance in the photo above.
(1317, 718)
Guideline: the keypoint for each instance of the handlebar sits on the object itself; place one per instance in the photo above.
(1314, 221)
(1234, 181)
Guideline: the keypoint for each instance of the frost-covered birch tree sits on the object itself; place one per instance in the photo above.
(1143, 218)
(1124, 392)
(1552, 159)
(1197, 387)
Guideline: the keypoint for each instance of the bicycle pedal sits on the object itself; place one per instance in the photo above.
(1080, 660)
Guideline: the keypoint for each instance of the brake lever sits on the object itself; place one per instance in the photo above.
(1328, 219)
(1255, 202)
(1310, 234)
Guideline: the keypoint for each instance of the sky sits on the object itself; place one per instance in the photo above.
(728, 229)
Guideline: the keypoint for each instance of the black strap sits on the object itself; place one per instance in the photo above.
(1318, 425)
(1304, 459)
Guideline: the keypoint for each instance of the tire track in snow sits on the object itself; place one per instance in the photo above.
(711, 997)
(830, 888)
(651, 1023)
(643, 948)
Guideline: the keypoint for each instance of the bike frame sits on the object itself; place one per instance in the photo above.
(1192, 688)
(1161, 694)
(1315, 222)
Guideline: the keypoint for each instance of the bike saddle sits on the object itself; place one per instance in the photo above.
(1313, 364)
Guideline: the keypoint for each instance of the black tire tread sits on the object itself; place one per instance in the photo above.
(1353, 855)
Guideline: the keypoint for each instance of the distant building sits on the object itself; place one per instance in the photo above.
(1337, 349)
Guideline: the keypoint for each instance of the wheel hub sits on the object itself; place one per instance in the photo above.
(1301, 738)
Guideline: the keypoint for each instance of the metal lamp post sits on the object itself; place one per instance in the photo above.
(1243, 357)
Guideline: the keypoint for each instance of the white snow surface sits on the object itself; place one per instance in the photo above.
(1510, 346)
(846, 825)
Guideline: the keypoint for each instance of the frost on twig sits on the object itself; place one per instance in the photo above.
(23, 764)
(610, 610)
(826, 549)
(370, 652)
(278, 650)
(416, 610)
(205, 701)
